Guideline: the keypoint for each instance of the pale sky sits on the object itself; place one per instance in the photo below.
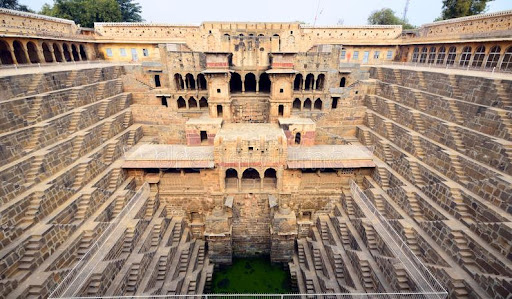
(329, 13)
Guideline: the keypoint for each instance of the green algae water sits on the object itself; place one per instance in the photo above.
(251, 275)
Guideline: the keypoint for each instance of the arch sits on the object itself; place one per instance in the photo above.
(235, 83)
(415, 54)
(203, 103)
(5, 53)
(231, 179)
(452, 54)
(297, 138)
(270, 178)
(423, 56)
(310, 78)
(296, 104)
(494, 57)
(441, 55)
(201, 82)
(190, 81)
(343, 82)
(192, 103)
(181, 103)
(432, 55)
(297, 83)
(264, 83)
(47, 53)
(65, 51)
(251, 179)
(320, 82)
(465, 56)
(307, 104)
(83, 54)
(178, 81)
(57, 53)
(32, 51)
(250, 82)
(506, 64)
(19, 52)
(74, 52)
(318, 104)
(478, 58)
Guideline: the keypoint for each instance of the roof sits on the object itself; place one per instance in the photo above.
(295, 121)
(250, 131)
(330, 156)
(170, 156)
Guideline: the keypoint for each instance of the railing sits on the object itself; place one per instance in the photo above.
(454, 66)
(76, 277)
(287, 296)
(421, 276)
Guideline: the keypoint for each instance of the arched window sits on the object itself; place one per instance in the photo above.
(74, 52)
(506, 64)
(83, 54)
(307, 104)
(441, 55)
(465, 56)
(297, 83)
(57, 53)
(250, 82)
(19, 52)
(32, 52)
(264, 83)
(415, 54)
(181, 103)
(297, 138)
(203, 103)
(452, 54)
(494, 57)
(192, 103)
(201, 82)
(320, 82)
(46, 53)
(231, 179)
(5, 53)
(318, 104)
(478, 59)
(226, 36)
(65, 49)
(270, 178)
(309, 81)
(178, 82)
(235, 83)
(432, 55)
(423, 56)
(343, 81)
(251, 179)
(296, 104)
(190, 81)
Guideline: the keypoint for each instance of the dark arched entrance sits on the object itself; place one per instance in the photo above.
(250, 82)
(270, 178)
(231, 179)
(264, 83)
(83, 55)
(19, 52)
(5, 54)
(235, 83)
(47, 53)
(251, 179)
(57, 53)
(74, 52)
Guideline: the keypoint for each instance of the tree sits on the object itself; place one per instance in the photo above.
(130, 11)
(462, 8)
(386, 16)
(84, 12)
(13, 4)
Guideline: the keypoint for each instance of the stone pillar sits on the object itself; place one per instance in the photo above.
(243, 85)
(218, 235)
(283, 231)
(11, 50)
(257, 86)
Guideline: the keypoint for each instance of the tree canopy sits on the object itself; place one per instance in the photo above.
(386, 16)
(13, 4)
(462, 8)
(86, 12)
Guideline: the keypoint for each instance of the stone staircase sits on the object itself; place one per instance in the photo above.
(32, 251)
(33, 115)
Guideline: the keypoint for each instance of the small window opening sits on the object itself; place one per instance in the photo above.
(157, 81)
(164, 102)
(204, 136)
